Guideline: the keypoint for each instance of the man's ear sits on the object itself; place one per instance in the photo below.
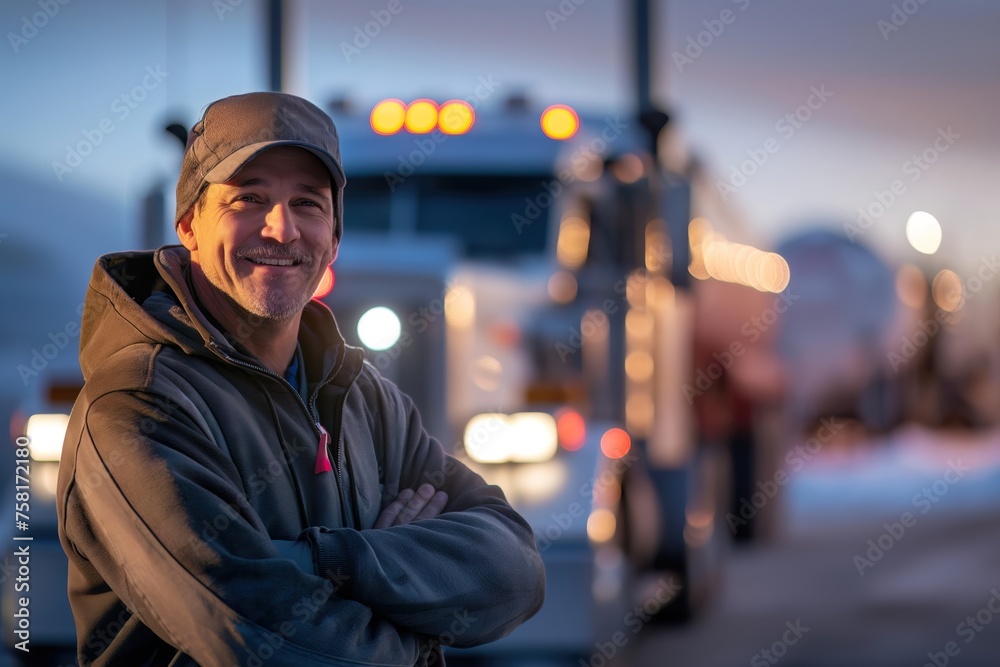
(185, 232)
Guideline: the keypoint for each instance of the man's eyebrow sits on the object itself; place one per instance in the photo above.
(303, 187)
(250, 182)
(313, 190)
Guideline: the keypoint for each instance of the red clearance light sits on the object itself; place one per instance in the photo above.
(421, 116)
(560, 122)
(325, 283)
(456, 117)
(615, 443)
(572, 430)
(387, 116)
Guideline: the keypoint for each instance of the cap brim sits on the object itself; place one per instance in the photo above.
(230, 166)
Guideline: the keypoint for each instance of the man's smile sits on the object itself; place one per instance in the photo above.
(273, 262)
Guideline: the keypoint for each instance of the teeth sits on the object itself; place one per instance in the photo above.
(272, 262)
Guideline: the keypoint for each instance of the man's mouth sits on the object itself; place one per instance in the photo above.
(273, 262)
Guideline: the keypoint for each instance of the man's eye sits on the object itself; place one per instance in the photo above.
(309, 202)
(246, 198)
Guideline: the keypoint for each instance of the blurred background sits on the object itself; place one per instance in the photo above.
(741, 280)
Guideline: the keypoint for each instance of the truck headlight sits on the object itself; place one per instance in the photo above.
(523, 437)
(46, 433)
(379, 328)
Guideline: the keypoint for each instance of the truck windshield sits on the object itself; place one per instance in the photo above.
(490, 216)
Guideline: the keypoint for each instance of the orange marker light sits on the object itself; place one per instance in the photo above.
(456, 117)
(615, 443)
(325, 284)
(387, 116)
(572, 430)
(421, 116)
(560, 122)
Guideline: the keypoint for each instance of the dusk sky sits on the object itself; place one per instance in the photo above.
(892, 75)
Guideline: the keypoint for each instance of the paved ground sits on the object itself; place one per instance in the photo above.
(805, 600)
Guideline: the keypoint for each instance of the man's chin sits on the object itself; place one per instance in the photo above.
(273, 312)
(274, 308)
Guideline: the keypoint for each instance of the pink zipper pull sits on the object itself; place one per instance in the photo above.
(323, 453)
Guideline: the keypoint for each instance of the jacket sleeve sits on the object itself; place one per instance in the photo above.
(159, 511)
(469, 576)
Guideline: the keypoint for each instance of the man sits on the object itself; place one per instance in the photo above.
(237, 486)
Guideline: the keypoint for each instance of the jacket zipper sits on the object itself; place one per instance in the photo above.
(324, 436)
(340, 457)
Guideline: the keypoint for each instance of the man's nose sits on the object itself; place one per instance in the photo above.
(279, 224)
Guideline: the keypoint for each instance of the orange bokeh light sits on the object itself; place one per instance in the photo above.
(572, 430)
(615, 443)
(456, 117)
(421, 116)
(387, 116)
(560, 122)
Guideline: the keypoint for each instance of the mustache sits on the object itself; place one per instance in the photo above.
(273, 252)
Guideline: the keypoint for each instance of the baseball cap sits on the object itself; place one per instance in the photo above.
(235, 129)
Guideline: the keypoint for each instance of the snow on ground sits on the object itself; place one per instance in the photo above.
(910, 470)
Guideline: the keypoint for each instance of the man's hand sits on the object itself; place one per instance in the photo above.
(409, 507)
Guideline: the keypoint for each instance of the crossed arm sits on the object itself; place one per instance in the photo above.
(474, 562)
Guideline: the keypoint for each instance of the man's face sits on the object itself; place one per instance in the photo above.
(265, 237)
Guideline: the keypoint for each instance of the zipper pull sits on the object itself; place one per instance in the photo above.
(323, 452)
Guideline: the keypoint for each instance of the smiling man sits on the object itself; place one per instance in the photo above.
(238, 486)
